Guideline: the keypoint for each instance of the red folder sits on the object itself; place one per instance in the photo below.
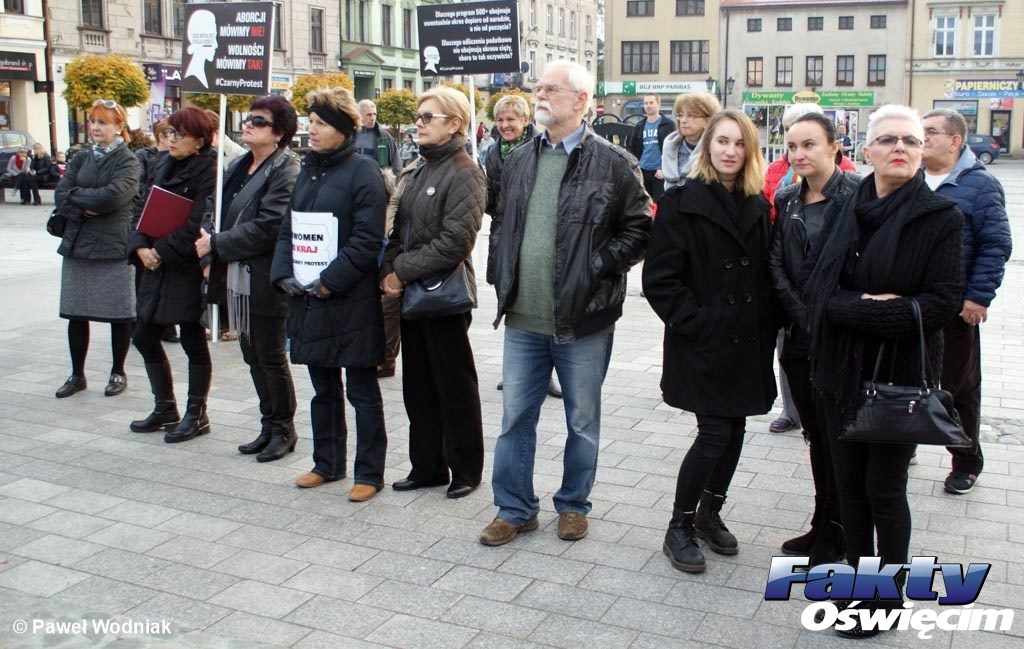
(163, 213)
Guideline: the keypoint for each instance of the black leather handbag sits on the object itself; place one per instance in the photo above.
(442, 295)
(56, 224)
(899, 414)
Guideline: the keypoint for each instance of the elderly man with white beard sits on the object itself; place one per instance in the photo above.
(572, 218)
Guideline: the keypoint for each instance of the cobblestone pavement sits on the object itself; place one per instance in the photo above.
(98, 523)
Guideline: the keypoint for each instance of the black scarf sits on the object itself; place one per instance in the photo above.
(433, 153)
(876, 223)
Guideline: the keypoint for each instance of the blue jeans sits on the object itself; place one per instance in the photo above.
(581, 367)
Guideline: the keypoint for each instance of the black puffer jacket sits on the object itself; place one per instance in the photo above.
(493, 165)
(249, 230)
(796, 242)
(173, 292)
(439, 214)
(106, 187)
(706, 276)
(604, 222)
(347, 329)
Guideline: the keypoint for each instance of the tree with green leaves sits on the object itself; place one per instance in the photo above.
(307, 83)
(112, 76)
(396, 107)
(504, 92)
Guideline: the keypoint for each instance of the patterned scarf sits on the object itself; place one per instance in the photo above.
(99, 151)
(508, 147)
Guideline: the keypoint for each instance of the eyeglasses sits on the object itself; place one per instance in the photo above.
(427, 117)
(174, 134)
(934, 131)
(549, 89)
(889, 141)
(106, 103)
(257, 121)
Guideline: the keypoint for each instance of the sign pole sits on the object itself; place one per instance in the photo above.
(218, 199)
(472, 115)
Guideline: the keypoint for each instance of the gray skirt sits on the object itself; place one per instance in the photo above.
(102, 291)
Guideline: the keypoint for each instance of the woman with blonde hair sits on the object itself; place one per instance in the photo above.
(439, 213)
(693, 110)
(336, 321)
(97, 284)
(706, 276)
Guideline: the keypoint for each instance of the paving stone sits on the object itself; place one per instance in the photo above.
(324, 640)
(36, 491)
(122, 565)
(416, 633)
(608, 554)
(743, 634)
(469, 553)
(482, 583)
(189, 582)
(338, 584)
(129, 537)
(84, 501)
(40, 579)
(539, 566)
(257, 566)
(343, 556)
(403, 597)
(565, 600)
(141, 514)
(614, 581)
(258, 598)
(70, 524)
(108, 595)
(417, 570)
(333, 615)
(714, 599)
(259, 629)
(674, 621)
(181, 611)
(194, 552)
(200, 526)
(497, 617)
(571, 633)
(19, 512)
(58, 550)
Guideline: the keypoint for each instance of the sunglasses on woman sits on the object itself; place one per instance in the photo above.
(427, 117)
(258, 121)
(106, 103)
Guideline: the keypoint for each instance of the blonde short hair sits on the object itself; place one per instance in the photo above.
(891, 112)
(751, 178)
(339, 99)
(453, 103)
(512, 104)
(697, 103)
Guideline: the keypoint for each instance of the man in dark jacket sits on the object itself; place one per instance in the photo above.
(572, 218)
(951, 170)
(648, 138)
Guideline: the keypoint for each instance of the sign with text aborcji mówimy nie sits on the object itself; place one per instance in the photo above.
(227, 48)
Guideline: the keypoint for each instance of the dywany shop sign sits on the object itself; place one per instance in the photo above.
(982, 89)
(227, 48)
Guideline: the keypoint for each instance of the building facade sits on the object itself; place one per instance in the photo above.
(849, 56)
(554, 30)
(969, 55)
(666, 47)
(23, 102)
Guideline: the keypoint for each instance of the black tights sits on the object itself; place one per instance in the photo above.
(78, 343)
(710, 463)
(193, 341)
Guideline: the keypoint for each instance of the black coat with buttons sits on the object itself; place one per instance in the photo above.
(706, 276)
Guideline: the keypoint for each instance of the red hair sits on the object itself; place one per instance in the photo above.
(116, 115)
(195, 122)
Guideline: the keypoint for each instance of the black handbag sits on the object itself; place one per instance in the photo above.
(442, 295)
(899, 414)
(56, 224)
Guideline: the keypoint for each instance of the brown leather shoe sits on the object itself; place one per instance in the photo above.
(500, 531)
(572, 526)
(362, 492)
(310, 480)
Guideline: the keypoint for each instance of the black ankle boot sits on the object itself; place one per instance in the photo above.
(165, 412)
(800, 546)
(681, 545)
(258, 444)
(195, 422)
(282, 442)
(710, 527)
(830, 545)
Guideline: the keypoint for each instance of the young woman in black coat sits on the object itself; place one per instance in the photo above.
(336, 321)
(706, 276)
(894, 240)
(805, 212)
(95, 197)
(171, 288)
(257, 188)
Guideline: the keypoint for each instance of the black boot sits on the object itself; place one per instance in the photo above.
(258, 444)
(830, 545)
(681, 545)
(800, 546)
(710, 527)
(282, 442)
(165, 412)
(195, 422)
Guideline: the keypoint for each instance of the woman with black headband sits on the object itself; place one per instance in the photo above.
(335, 321)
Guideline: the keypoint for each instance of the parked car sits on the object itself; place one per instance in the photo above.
(10, 142)
(984, 146)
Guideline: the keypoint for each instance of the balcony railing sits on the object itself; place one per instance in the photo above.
(94, 40)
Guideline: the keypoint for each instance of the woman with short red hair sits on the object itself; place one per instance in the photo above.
(171, 288)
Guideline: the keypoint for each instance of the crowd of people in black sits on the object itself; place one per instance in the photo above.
(841, 268)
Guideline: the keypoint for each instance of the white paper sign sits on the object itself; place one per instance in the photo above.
(314, 244)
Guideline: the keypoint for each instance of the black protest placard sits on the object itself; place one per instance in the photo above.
(227, 48)
(469, 38)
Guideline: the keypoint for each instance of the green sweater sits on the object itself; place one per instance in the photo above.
(533, 309)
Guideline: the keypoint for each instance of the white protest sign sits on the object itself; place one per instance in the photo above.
(314, 244)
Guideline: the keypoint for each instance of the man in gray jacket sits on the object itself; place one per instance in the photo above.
(572, 218)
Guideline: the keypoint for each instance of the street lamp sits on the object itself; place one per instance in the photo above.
(723, 96)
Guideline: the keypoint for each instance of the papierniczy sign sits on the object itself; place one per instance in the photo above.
(227, 48)
(982, 89)
(469, 38)
(871, 580)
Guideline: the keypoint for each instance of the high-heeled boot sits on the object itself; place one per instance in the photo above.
(195, 421)
(165, 411)
(282, 442)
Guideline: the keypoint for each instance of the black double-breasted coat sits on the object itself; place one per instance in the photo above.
(706, 276)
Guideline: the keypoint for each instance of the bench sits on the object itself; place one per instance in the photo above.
(7, 183)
